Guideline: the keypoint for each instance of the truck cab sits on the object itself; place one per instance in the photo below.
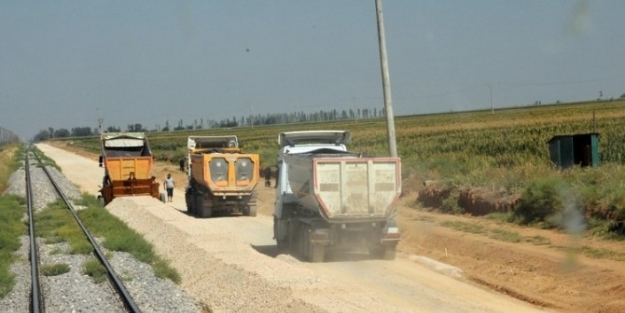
(303, 142)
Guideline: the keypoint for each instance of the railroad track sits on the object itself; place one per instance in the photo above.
(38, 288)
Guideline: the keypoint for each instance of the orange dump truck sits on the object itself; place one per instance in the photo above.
(222, 179)
(127, 162)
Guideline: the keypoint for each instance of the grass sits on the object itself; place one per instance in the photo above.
(12, 211)
(54, 269)
(594, 253)
(11, 228)
(505, 235)
(56, 224)
(94, 269)
(538, 240)
(45, 160)
(119, 237)
(509, 236)
(465, 227)
(10, 160)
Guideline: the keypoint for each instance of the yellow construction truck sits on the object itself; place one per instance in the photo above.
(127, 162)
(222, 179)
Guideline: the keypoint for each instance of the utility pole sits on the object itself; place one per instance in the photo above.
(386, 82)
(100, 121)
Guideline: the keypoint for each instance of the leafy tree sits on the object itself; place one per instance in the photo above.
(42, 135)
(61, 133)
(81, 132)
(136, 128)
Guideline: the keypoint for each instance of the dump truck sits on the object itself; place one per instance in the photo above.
(222, 179)
(127, 162)
(328, 198)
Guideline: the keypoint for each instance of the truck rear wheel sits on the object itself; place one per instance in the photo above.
(389, 252)
(316, 252)
(250, 211)
(282, 244)
(304, 242)
(384, 252)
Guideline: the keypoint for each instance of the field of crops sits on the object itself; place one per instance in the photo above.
(442, 144)
(504, 150)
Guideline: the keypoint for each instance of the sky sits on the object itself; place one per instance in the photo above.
(65, 64)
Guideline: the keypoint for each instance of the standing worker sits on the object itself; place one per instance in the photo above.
(169, 186)
(267, 174)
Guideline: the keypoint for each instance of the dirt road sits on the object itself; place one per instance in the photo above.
(403, 285)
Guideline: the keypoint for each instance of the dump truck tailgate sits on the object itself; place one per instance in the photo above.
(359, 187)
(347, 187)
(123, 167)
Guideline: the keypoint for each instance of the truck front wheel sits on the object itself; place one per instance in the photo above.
(200, 209)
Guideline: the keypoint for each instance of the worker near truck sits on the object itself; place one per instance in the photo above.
(169, 186)
(267, 175)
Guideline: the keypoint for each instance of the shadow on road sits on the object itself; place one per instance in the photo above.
(268, 250)
(355, 255)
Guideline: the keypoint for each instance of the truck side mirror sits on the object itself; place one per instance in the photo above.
(100, 161)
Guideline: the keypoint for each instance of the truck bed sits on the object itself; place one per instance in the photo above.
(345, 186)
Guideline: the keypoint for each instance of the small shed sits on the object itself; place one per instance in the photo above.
(580, 149)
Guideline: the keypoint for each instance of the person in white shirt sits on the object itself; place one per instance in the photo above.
(169, 186)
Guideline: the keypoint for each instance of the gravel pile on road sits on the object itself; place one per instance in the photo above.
(231, 276)
(74, 291)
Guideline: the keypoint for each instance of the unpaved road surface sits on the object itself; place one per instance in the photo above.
(231, 264)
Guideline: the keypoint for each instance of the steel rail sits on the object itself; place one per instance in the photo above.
(127, 299)
(37, 304)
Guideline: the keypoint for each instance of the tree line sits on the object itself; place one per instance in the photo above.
(255, 120)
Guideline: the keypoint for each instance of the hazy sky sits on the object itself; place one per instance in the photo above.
(64, 64)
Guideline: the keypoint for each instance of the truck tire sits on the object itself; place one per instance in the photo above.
(389, 252)
(190, 205)
(294, 242)
(303, 243)
(384, 252)
(281, 244)
(250, 211)
(200, 209)
(316, 252)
